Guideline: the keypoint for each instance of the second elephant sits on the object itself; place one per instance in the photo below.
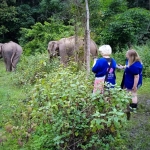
(65, 48)
(11, 53)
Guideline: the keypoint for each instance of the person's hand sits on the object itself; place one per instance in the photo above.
(95, 59)
(120, 66)
(134, 88)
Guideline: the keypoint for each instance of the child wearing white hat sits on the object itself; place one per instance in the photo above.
(104, 69)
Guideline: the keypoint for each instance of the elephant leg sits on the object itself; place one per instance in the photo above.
(14, 62)
(7, 62)
(63, 57)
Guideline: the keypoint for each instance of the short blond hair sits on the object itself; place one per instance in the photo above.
(105, 50)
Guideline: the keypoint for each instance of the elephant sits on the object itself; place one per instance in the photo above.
(11, 53)
(65, 48)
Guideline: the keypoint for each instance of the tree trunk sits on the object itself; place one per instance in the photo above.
(87, 39)
(76, 47)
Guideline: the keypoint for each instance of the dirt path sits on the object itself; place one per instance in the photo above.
(138, 130)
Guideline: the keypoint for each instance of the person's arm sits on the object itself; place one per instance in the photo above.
(120, 66)
(136, 80)
(95, 59)
(96, 66)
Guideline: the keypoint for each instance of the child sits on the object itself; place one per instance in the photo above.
(133, 76)
(104, 69)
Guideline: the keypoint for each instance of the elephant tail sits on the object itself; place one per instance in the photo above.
(12, 57)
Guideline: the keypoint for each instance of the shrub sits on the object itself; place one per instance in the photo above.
(120, 57)
(132, 26)
(31, 68)
(144, 53)
(36, 39)
(61, 112)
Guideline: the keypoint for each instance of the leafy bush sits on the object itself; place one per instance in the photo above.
(119, 57)
(61, 112)
(31, 68)
(36, 39)
(144, 53)
(101, 14)
(132, 26)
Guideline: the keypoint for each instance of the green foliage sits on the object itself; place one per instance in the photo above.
(15, 15)
(58, 9)
(101, 14)
(36, 39)
(32, 68)
(128, 27)
(144, 53)
(7, 19)
(9, 94)
(120, 57)
(138, 3)
(144, 90)
(113, 7)
(25, 18)
(61, 112)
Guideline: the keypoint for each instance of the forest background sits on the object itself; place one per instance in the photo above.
(33, 24)
(36, 111)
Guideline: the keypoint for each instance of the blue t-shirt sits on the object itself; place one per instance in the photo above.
(101, 67)
(135, 69)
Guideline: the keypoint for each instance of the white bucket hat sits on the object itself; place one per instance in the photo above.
(105, 50)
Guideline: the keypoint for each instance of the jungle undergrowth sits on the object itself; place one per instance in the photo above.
(136, 134)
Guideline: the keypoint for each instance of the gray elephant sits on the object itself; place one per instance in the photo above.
(11, 53)
(65, 48)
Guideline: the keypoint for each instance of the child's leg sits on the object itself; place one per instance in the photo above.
(134, 97)
(133, 105)
(98, 85)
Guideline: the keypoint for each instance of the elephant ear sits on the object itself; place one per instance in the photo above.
(53, 43)
(50, 45)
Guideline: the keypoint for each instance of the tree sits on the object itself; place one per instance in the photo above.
(7, 19)
(87, 37)
(139, 3)
(132, 26)
(35, 40)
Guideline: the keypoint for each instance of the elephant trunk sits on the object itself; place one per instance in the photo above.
(52, 55)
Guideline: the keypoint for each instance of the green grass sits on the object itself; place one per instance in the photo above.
(10, 95)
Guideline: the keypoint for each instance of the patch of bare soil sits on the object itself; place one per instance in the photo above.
(138, 130)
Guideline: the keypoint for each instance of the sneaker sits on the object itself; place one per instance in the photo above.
(132, 109)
